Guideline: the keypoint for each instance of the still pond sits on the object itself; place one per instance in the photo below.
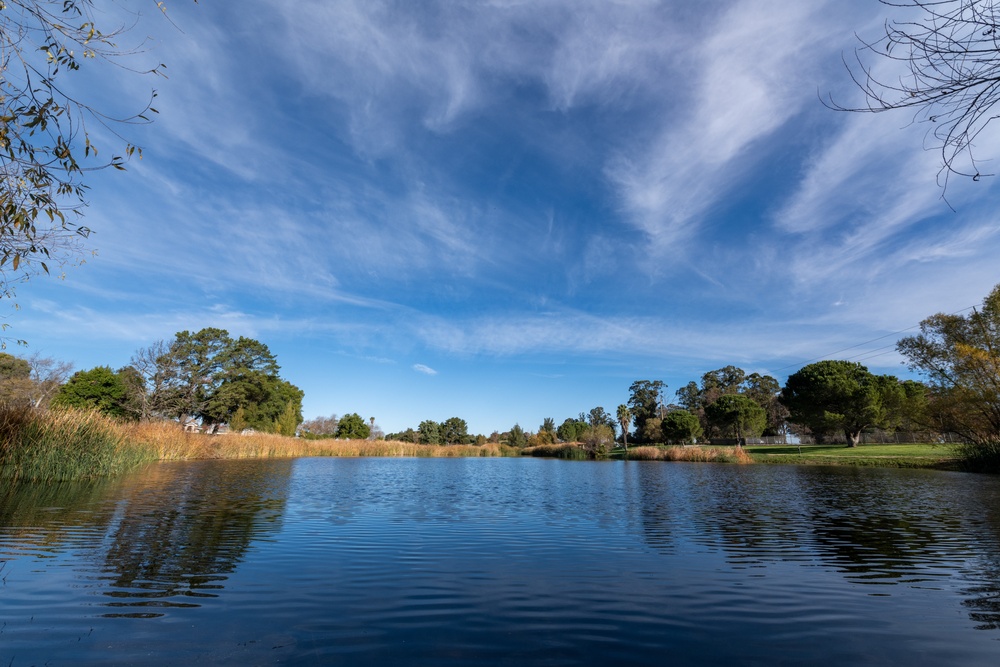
(501, 562)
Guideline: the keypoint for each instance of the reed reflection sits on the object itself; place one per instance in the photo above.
(39, 519)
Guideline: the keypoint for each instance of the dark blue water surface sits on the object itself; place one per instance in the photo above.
(502, 562)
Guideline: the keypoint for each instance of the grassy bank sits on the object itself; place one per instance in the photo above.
(942, 456)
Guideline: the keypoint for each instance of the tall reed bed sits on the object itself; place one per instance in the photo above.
(59, 445)
(68, 445)
(171, 443)
(698, 454)
(406, 449)
(566, 450)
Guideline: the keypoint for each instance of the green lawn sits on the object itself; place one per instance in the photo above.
(886, 456)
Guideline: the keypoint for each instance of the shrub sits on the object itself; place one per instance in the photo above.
(980, 456)
(597, 440)
(564, 451)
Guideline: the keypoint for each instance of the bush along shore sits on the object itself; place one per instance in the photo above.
(59, 445)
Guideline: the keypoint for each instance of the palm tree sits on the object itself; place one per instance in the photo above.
(624, 418)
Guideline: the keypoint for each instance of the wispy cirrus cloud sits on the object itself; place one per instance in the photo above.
(748, 80)
(426, 370)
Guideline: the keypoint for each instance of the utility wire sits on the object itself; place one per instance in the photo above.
(862, 355)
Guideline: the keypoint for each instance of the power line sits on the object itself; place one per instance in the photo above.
(863, 355)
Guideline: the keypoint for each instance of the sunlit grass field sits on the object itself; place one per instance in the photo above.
(920, 455)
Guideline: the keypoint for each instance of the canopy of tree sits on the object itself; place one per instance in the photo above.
(209, 376)
(353, 427)
(571, 430)
(680, 427)
(97, 389)
(737, 416)
(960, 356)
(830, 396)
(730, 380)
(644, 402)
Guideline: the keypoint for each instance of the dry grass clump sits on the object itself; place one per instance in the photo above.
(698, 454)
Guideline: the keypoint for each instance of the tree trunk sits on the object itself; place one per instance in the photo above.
(853, 437)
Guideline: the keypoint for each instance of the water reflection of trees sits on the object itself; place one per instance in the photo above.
(873, 527)
(983, 602)
(184, 528)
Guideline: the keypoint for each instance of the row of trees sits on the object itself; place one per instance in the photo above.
(349, 427)
(211, 377)
(206, 377)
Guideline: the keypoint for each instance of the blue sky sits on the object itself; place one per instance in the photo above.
(506, 210)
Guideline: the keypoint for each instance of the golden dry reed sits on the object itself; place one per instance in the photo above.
(65, 444)
(699, 454)
(171, 443)
(70, 444)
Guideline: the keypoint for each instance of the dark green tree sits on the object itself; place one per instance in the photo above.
(765, 392)
(737, 416)
(571, 430)
(353, 427)
(208, 375)
(680, 427)
(191, 372)
(430, 432)
(517, 438)
(455, 431)
(727, 380)
(599, 417)
(830, 396)
(409, 435)
(689, 396)
(645, 401)
(99, 389)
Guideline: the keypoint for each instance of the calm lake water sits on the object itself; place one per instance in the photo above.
(502, 561)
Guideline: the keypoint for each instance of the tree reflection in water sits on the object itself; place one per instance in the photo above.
(871, 527)
(184, 528)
